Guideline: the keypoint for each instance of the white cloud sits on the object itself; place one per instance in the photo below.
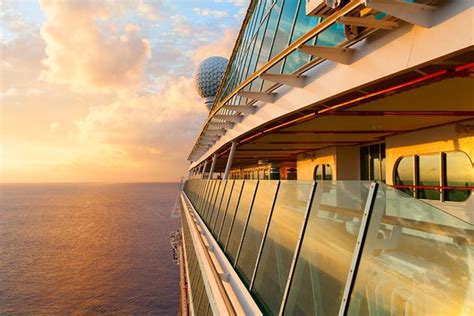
(53, 126)
(209, 12)
(91, 57)
(237, 3)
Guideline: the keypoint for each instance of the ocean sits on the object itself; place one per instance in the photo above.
(87, 248)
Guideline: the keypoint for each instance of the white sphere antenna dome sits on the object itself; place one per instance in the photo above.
(209, 76)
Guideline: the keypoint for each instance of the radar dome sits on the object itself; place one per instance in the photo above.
(209, 76)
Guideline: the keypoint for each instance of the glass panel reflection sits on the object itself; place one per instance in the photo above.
(459, 173)
(229, 215)
(328, 245)
(254, 232)
(240, 218)
(279, 246)
(429, 176)
(222, 208)
(417, 260)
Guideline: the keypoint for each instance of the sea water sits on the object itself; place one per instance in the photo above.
(87, 248)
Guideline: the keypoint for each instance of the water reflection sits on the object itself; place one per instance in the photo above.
(87, 248)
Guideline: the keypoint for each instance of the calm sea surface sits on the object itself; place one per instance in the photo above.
(87, 248)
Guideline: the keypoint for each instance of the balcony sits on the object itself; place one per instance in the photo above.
(341, 247)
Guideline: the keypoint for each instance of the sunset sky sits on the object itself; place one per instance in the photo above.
(103, 90)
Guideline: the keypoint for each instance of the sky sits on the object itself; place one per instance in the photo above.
(103, 90)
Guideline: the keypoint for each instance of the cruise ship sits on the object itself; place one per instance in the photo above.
(334, 173)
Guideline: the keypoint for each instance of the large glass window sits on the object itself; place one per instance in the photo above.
(279, 245)
(429, 175)
(372, 162)
(302, 25)
(253, 234)
(448, 176)
(459, 174)
(322, 172)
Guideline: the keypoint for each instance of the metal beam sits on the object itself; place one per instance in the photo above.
(229, 118)
(368, 22)
(240, 108)
(414, 13)
(259, 96)
(229, 160)
(221, 124)
(289, 80)
(339, 55)
(214, 132)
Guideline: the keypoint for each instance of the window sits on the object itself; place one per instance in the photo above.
(322, 172)
(443, 176)
(372, 162)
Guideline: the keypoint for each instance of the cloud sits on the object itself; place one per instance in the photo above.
(221, 47)
(237, 3)
(209, 12)
(93, 56)
(53, 126)
(148, 11)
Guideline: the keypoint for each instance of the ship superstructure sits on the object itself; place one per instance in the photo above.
(334, 173)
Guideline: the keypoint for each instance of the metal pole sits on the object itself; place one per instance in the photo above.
(229, 160)
(204, 169)
(213, 165)
(359, 248)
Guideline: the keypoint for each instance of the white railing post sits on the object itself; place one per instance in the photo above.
(229, 160)
(213, 165)
(204, 169)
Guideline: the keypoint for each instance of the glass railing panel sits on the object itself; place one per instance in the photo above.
(207, 197)
(328, 245)
(416, 260)
(222, 208)
(202, 195)
(212, 201)
(279, 245)
(240, 218)
(215, 203)
(203, 302)
(229, 216)
(254, 232)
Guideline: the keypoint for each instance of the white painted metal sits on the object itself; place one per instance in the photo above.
(290, 80)
(337, 54)
(221, 124)
(229, 160)
(241, 108)
(259, 96)
(229, 118)
(204, 169)
(364, 225)
(213, 165)
(215, 132)
(368, 22)
(415, 13)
